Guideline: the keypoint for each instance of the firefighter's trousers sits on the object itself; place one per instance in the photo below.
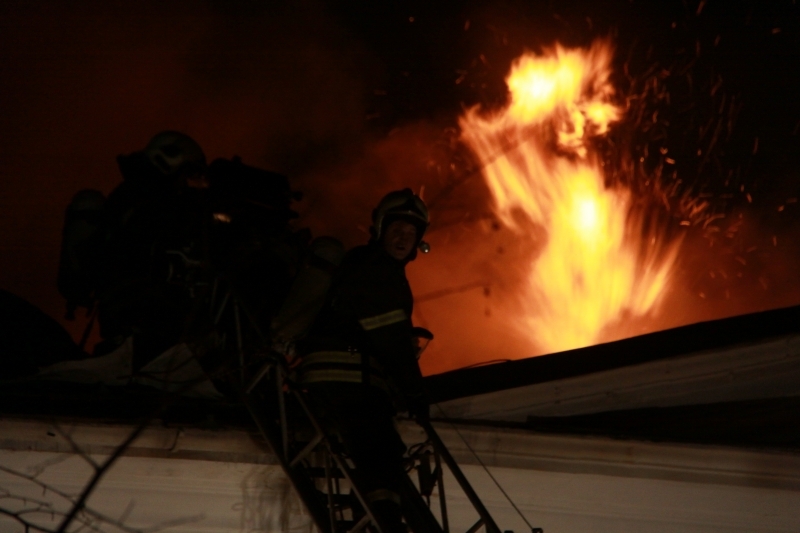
(363, 417)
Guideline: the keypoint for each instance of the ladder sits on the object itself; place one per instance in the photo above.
(314, 462)
(319, 471)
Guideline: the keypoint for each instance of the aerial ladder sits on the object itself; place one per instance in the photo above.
(319, 470)
(313, 458)
(246, 212)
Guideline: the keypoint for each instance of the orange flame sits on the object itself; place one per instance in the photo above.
(540, 167)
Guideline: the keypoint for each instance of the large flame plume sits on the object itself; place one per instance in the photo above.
(595, 266)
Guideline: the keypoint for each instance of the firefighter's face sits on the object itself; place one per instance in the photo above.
(399, 239)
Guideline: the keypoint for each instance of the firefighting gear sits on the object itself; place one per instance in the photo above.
(80, 263)
(173, 152)
(308, 291)
(363, 419)
(250, 239)
(368, 312)
(172, 254)
(165, 238)
(146, 216)
(420, 337)
(243, 190)
(342, 367)
(360, 363)
(402, 205)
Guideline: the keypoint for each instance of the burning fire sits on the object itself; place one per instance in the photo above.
(596, 267)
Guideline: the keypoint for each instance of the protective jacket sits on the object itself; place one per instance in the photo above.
(146, 215)
(363, 332)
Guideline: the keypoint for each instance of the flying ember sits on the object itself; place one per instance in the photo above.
(595, 267)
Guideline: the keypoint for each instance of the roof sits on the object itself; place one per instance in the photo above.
(712, 336)
(734, 382)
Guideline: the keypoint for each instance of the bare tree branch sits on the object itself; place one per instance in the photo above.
(100, 471)
(40, 508)
(87, 491)
(29, 526)
(119, 524)
(75, 448)
(44, 465)
(79, 513)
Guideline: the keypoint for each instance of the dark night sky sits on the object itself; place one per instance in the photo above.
(351, 99)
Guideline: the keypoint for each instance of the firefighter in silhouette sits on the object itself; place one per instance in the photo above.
(153, 210)
(359, 361)
(82, 242)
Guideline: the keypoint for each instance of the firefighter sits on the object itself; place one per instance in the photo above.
(80, 263)
(359, 362)
(154, 209)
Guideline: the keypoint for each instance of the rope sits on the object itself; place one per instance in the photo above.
(514, 505)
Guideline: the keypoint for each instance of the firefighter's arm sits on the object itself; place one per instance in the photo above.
(390, 334)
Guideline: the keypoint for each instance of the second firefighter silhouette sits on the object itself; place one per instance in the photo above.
(359, 361)
(154, 209)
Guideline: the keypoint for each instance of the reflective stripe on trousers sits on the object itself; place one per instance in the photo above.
(383, 495)
(340, 366)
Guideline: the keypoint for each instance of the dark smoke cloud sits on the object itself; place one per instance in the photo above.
(465, 288)
(294, 87)
(279, 84)
(283, 85)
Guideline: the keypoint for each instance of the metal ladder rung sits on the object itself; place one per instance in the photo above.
(360, 525)
(319, 472)
(325, 506)
(340, 501)
(258, 377)
(307, 450)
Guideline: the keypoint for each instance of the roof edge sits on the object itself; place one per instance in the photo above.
(665, 344)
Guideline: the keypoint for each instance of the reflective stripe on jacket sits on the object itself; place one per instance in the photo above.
(341, 366)
(368, 310)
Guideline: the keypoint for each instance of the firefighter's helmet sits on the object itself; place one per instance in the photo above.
(173, 152)
(401, 205)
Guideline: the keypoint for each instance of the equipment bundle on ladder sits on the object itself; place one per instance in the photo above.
(325, 479)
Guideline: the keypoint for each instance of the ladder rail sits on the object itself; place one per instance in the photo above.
(472, 496)
(302, 484)
(442, 496)
(341, 463)
(278, 438)
(279, 443)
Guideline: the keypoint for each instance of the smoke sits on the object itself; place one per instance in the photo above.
(290, 88)
(280, 84)
(463, 288)
(283, 85)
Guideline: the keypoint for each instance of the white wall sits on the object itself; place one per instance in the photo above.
(563, 484)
